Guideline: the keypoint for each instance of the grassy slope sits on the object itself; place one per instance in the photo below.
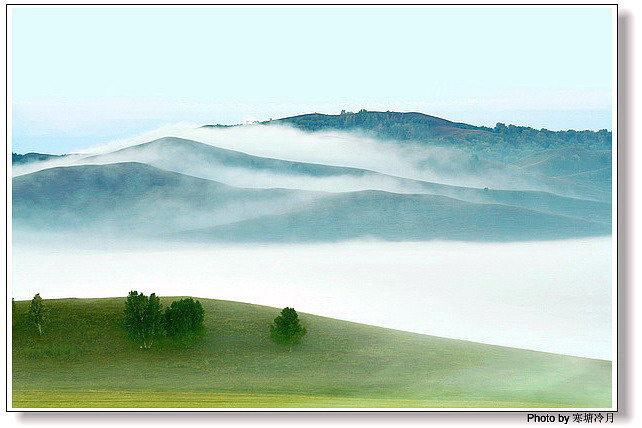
(85, 360)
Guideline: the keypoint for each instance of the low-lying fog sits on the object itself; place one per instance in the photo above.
(344, 149)
(549, 296)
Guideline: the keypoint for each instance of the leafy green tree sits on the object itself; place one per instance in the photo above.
(287, 329)
(143, 318)
(184, 318)
(38, 312)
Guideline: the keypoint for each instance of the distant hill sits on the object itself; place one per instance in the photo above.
(397, 125)
(506, 143)
(188, 156)
(566, 161)
(598, 179)
(134, 197)
(198, 159)
(181, 188)
(396, 217)
(20, 159)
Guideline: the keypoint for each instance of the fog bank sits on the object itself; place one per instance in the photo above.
(549, 296)
(335, 148)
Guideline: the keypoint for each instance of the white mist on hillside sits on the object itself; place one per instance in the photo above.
(550, 296)
(348, 149)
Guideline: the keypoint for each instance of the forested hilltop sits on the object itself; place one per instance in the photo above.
(502, 142)
(17, 158)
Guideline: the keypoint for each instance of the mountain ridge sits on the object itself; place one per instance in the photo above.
(136, 198)
(198, 157)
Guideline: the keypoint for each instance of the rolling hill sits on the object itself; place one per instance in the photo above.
(189, 190)
(84, 359)
(566, 161)
(195, 157)
(591, 168)
(395, 217)
(136, 198)
(501, 143)
(214, 163)
(383, 123)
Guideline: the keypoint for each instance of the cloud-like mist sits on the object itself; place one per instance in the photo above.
(515, 294)
(400, 159)
(549, 296)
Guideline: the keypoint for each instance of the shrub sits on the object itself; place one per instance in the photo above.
(184, 318)
(287, 329)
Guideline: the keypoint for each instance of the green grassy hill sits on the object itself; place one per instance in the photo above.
(84, 359)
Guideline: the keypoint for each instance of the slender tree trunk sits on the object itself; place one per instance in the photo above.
(39, 328)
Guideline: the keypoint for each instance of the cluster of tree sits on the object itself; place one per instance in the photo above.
(183, 320)
(145, 320)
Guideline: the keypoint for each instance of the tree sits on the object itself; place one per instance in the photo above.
(184, 318)
(38, 312)
(143, 318)
(286, 328)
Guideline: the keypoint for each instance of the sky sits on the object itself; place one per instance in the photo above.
(87, 76)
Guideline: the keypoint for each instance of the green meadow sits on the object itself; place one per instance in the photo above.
(84, 359)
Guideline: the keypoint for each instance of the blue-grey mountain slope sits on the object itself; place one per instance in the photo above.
(136, 198)
(395, 217)
(190, 156)
(566, 161)
(206, 161)
(581, 166)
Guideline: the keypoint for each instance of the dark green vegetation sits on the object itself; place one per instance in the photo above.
(143, 318)
(86, 360)
(287, 329)
(38, 312)
(19, 159)
(184, 319)
(501, 142)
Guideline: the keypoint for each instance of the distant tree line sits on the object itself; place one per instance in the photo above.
(17, 158)
(502, 142)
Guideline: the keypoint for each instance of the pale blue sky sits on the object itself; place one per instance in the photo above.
(85, 76)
